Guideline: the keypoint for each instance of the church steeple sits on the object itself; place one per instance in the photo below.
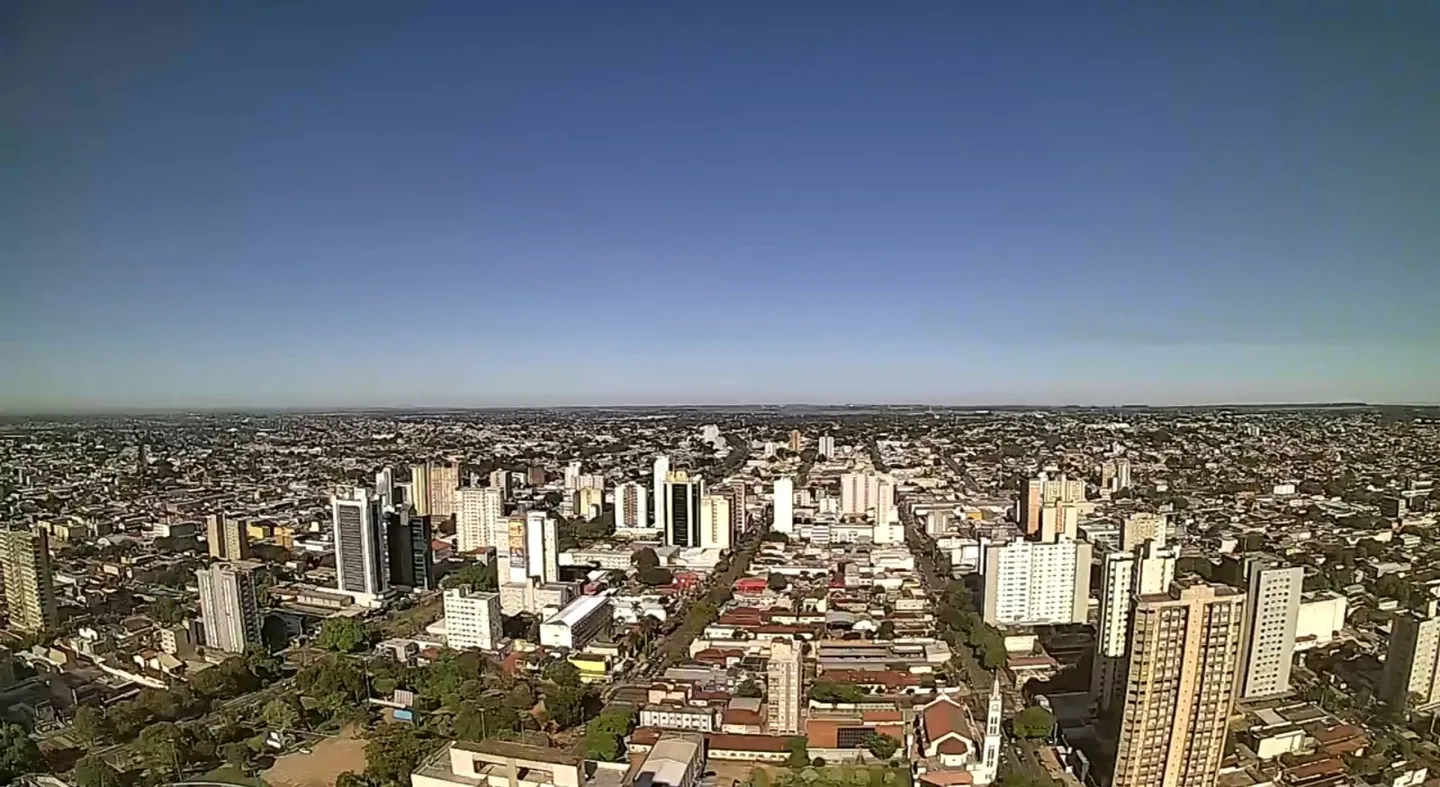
(990, 759)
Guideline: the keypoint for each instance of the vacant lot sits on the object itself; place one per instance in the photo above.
(325, 762)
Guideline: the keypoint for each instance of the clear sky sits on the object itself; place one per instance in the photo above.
(533, 203)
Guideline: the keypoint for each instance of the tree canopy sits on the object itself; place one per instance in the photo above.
(343, 635)
(1034, 722)
(18, 753)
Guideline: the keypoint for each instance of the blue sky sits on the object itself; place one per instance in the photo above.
(485, 203)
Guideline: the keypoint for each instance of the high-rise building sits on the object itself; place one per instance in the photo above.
(1115, 474)
(631, 513)
(1142, 527)
(362, 564)
(500, 479)
(714, 522)
(682, 509)
(226, 538)
(1044, 491)
(572, 475)
(420, 488)
(229, 606)
(797, 440)
(472, 619)
(589, 501)
(28, 581)
(784, 678)
(479, 516)
(385, 487)
(412, 560)
(826, 447)
(658, 475)
(542, 547)
(1144, 571)
(887, 527)
(988, 769)
(1272, 609)
(784, 506)
(444, 480)
(1032, 582)
(735, 495)
(1180, 687)
(1411, 669)
(858, 492)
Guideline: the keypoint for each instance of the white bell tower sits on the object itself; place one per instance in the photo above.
(990, 755)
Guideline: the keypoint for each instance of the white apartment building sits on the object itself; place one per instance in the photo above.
(1272, 609)
(861, 493)
(1143, 571)
(714, 522)
(785, 681)
(472, 619)
(631, 509)
(479, 517)
(1031, 582)
(784, 506)
(825, 446)
(578, 623)
(229, 606)
(658, 474)
(681, 717)
(1320, 621)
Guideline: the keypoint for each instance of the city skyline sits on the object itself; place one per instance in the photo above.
(216, 207)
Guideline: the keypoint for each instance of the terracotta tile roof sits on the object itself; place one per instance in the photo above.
(943, 716)
(733, 742)
(952, 746)
(947, 778)
(740, 716)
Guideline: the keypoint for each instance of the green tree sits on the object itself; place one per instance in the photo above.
(520, 698)
(162, 747)
(882, 746)
(831, 692)
(602, 745)
(343, 635)
(352, 779)
(645, 559)
(616, 720)
(91, 726)
(563, 673)
(281, 713)
(655, 576)
(777, 582)
(748, 688)
(1023, 779)
(95, 772)
(565, 706)
(393, 752)
(1034, 722)
(237, 755)
(18, 753)
(775, 536)
(886, 630)
(478, 576)
(799, 753)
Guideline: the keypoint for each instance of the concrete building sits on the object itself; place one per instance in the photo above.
(500, 479)
(1180, 687)
(785, 676)
(659, 473)
(472, 619)
(861, 494)
(682, 509)
(825, 447)
(420, 488)
(1115, 474)
(1142, 527)
(29, 583)
(1321, 619)
(1272, 609)
(1044, 490)
(1147, 570)
(679, 716)
(1030, 582)
(226, 538)
(229, 606)
(479, 514)
(676, 760)
(572, 475)
(631, 511)
(444, 480)
(1411, 672)
(494, 763)
(581, 621)
(589, 501)
(361, 561)
(714, 522)
(408, 550)
(797, 441)
(784, 506)
(542, 543)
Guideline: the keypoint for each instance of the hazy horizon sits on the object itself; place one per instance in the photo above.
(345, 205)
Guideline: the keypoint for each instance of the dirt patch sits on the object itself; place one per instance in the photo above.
(323, 765)
(727, 771)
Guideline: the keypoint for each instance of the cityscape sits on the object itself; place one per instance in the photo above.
(719, 597)
(719, 393)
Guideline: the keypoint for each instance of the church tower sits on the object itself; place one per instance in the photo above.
(990, 760)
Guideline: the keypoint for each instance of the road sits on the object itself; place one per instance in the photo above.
(1016, 754)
